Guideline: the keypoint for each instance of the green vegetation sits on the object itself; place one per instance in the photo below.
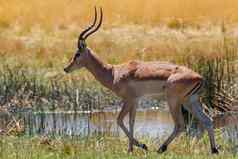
(105, 147)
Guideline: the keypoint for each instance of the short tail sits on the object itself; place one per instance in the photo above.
(225, 119)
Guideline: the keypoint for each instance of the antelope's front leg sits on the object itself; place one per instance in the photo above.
(129, 107)
(132, 115)
(132, 140)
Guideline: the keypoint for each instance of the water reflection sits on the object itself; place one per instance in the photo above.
(151, 123)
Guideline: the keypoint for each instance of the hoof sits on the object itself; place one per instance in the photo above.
(215, 151)
(143, 146)
(162, 149)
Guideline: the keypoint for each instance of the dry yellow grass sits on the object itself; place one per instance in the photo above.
(43, 34)
(62, 13)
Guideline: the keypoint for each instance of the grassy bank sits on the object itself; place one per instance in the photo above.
(105, 147)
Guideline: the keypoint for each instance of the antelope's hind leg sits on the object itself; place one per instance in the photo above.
(196, 107)
(200, 127)
(176, 112)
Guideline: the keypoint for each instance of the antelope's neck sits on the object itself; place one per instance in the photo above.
(102, 72)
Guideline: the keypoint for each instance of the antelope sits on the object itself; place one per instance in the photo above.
(177, 84)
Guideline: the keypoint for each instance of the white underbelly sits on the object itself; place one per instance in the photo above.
(152, 89)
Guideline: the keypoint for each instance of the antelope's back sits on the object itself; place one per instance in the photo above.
(140, 71)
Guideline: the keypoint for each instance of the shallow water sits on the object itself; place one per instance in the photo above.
(152, 123)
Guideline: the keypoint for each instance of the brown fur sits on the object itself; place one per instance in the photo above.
(138, 70)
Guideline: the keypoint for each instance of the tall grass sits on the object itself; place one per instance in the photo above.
(22, 90)
(32, 62)
(63, 13)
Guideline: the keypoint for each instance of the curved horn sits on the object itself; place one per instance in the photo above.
(90, 27)
(100, 22)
